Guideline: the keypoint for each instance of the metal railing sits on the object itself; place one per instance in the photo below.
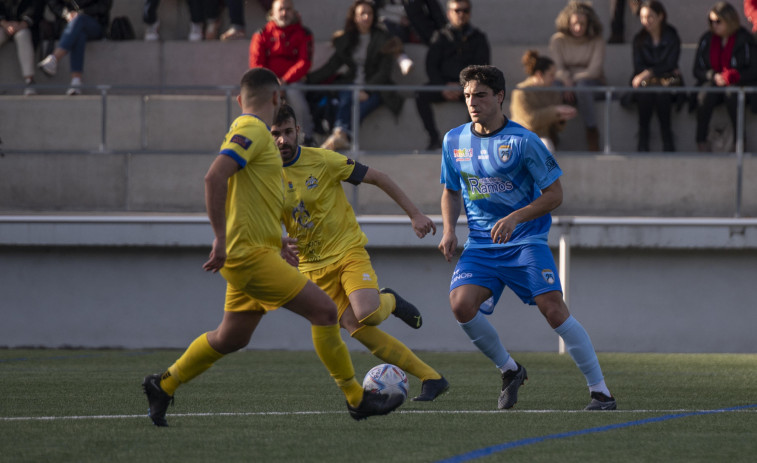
(610, 93)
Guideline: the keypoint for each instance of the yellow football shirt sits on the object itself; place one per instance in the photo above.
(316, 210)
(255, 197)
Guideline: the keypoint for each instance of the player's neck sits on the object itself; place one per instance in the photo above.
(488, 127)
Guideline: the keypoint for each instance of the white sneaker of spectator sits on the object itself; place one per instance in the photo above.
(49, 65)
(75, 88)
(405, 63)
(195, 32)
(151, 32)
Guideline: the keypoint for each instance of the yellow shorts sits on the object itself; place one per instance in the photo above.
(272, 283)
(348, 274)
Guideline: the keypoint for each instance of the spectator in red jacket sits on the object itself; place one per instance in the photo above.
(285, 47)
(750, 11)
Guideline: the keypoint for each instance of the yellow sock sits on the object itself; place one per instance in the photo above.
(391, 350)
(336, 358)
(386, 307)
(198, 357)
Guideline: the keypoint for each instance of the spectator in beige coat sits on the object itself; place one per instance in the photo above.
(542, 112)
(579, 53)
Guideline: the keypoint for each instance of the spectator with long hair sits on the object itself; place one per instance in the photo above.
(578, 50)
(542, 112)
(364, 53)
(725, 57)
(656, 49)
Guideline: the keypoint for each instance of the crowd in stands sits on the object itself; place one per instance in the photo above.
(371, 45)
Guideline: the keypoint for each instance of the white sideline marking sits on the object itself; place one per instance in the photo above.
(315, 412)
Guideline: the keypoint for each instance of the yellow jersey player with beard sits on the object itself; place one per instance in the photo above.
(244, 199)
(330, 246)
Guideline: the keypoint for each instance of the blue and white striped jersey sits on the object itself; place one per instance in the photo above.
(498, 174)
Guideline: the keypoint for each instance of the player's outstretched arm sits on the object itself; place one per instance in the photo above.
(216, 189)
(451, 203)
(421, 223)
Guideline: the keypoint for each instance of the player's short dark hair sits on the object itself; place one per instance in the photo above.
(285, 113)
(484, 74)
(259, 78)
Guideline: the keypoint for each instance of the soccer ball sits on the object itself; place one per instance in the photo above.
(386, 379)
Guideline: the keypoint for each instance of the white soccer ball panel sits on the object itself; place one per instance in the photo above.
(386, 379)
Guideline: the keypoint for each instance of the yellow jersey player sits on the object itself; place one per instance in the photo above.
(244, 198)
(330, 246)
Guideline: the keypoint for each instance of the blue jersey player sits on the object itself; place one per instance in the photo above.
(509, 183)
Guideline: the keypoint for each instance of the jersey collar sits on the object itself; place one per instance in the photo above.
(297, 156)
(481, 135)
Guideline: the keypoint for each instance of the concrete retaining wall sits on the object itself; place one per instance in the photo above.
(667, 286)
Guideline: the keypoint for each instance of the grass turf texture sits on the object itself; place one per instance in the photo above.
(282, 406)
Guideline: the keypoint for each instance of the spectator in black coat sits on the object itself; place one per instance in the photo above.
(726, 56)
(452, 48)
(656, 49)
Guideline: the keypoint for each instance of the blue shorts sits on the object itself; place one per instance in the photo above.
(529, 270)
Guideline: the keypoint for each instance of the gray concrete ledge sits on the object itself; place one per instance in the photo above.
(386, 231)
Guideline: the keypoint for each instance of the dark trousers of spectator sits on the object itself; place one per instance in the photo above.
(423, 101)
(617, 14)
(425, 17)
(707, 106)
(663, 104)
(199, 11)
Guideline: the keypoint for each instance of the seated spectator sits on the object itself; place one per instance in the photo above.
(204, 15)
(726, 56)
(540, 112)
(285, 47)
(452, 48)
(85, 20)
(364, 53)
(579, 53)
(656, 48)
(18, 21)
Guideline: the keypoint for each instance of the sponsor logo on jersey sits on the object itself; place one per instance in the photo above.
(311, 182)
(290, 185)
(549, 276)
(366, 277)
(504, 152)
(463, 154)
(482, 187)
(551, 164)
(350, 162)
(241, 140)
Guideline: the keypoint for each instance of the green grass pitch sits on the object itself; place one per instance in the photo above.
(277, 406)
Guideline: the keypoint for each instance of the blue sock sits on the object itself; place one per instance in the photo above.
(580, 348)
(483, 335)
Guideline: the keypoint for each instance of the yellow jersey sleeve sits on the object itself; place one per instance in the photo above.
(316, 210)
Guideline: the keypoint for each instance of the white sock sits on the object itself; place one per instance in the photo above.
(600, 387)
(76, 81)
(510, 365)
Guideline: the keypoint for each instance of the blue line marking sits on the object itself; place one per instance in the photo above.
(486, 451)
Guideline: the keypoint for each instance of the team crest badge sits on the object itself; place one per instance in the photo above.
(311, 182)
(504, 152)
(549, 276)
